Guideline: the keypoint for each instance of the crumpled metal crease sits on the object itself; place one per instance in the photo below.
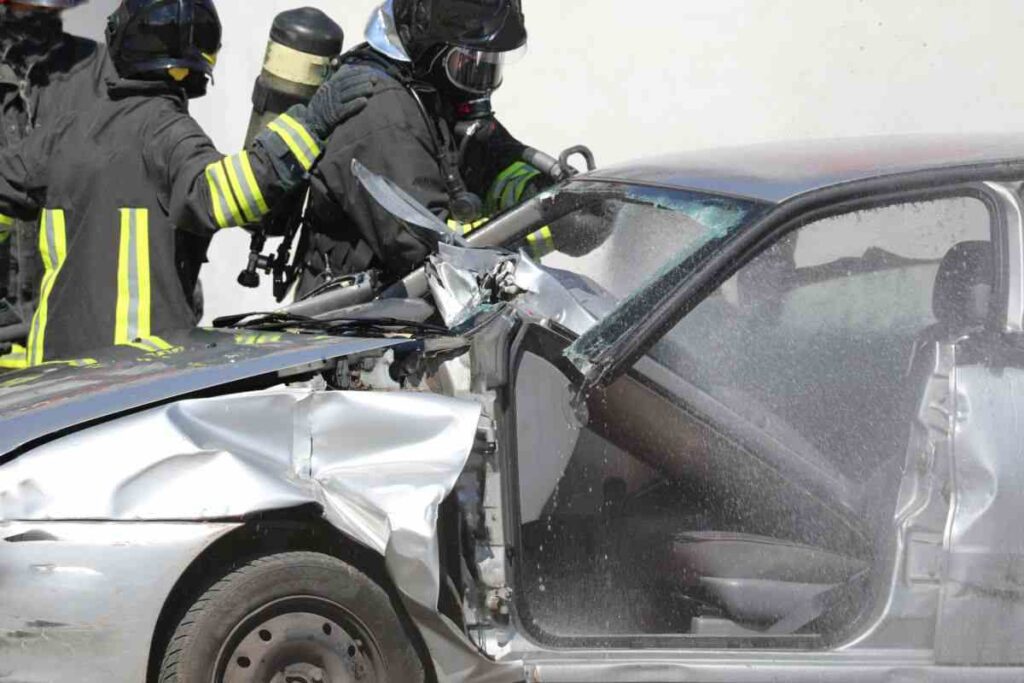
(378, 464)
(983, 594)
(454, 276)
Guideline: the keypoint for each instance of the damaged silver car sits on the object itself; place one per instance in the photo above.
(748, 415)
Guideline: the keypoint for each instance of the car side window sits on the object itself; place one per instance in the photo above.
(743, 441)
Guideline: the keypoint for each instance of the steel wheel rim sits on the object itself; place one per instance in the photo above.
(299, 640)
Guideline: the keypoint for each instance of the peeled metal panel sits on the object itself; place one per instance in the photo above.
(981, 616)
(378, 464)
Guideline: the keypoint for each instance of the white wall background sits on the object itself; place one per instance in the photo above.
(648, 76)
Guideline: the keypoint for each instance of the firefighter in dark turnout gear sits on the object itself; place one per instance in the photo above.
(441, 61)
(45, 73)
(118, 182)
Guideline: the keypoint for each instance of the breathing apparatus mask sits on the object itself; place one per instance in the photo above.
(461, 48)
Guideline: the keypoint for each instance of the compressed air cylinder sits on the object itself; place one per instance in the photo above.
(303, 45)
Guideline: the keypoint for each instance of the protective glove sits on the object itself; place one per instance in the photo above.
(341, 98)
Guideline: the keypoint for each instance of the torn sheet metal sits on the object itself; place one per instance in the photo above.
(548, 298)
(80, 601)
(982, 605)
(463, 281)
(379, 465)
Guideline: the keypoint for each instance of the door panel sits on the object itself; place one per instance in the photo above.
(716, 492)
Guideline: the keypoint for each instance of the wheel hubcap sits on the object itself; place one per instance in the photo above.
(301, 640)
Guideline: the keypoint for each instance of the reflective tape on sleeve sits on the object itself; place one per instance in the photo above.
(219, 177)
(297, 138)
(243, 180)
(218, 203)
(541, 243)
(466, 228)
(508, 188)
(6, 225)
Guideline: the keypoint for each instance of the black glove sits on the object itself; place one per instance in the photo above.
(341, 98)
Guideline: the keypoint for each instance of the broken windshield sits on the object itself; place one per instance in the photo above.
(610, 249)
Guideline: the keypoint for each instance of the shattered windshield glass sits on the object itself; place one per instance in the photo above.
(611, 248)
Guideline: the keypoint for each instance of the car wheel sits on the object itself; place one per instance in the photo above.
(291, 618)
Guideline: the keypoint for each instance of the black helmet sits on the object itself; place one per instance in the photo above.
(35, 25)
(174, 40)
(473, 37)
(490, 25)
(49, 4)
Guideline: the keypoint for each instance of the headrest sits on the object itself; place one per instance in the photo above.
(963, 287)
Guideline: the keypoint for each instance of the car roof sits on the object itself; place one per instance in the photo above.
(779, 171)
(42, 401)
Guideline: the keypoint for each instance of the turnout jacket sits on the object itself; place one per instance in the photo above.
(346, 231)
(36, 89)
(116, 186)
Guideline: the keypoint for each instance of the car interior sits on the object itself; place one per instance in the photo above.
(739, 482)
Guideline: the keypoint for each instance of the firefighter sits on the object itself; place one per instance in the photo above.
(44, 73)
(122, 182)
(441, 61)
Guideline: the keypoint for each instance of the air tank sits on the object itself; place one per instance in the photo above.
(304, 45)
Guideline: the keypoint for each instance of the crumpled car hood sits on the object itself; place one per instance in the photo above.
(53, 398)
(378, 465)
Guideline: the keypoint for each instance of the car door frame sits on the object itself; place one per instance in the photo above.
(585, 664)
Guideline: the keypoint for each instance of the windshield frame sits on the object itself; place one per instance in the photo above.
(661, 284)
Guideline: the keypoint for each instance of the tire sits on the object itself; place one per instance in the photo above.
(302, 614)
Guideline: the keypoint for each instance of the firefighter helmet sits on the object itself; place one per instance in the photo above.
(47, 4)
(406, 29)
(166, 39)
(474, 38)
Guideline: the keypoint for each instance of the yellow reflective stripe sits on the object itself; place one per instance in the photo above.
(508, 188)
(133, 318)
(77, 363)
(466, 228)
(141, 243)
(221, 178)
(257, 338)
(303, 147)
(254, 187)
(53, 247)
(542, 242)
(292, 145)
(303, 133)
(6, 224)
(17, 359)
(245, 202)
(124, 295)
(220, 206)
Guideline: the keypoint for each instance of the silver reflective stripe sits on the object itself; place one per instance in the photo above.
(250, 205)
(133, 275)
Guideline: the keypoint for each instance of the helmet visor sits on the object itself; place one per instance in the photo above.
(478, 71)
